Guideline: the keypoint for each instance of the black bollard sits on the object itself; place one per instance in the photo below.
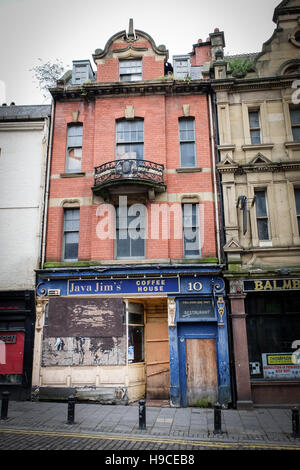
(4, 405)
(217, 419)
(295, 422)
(71, 409)
(142, 414)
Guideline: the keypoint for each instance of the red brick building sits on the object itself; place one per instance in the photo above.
(132, 219)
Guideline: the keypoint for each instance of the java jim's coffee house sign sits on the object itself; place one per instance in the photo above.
(105, 329)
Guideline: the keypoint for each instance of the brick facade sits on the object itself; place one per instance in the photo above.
(160, 113)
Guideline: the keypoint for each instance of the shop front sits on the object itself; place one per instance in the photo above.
(268, 310)
(116, 335)
(17, 316)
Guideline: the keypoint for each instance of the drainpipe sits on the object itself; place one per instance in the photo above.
(212, 141)
(222, 230)
(47, 183)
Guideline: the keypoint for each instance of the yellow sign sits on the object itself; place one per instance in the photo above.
(279, 360)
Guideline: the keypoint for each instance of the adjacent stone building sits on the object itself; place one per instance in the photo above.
(258, 113)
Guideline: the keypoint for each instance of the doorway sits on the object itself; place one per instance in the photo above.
(157, 350)
(198, 365)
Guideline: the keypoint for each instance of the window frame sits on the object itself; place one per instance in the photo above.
(67, 231)
(131, 142)
(255, 128)
(294, 125)
(81, 74)
(262, 217)
(259, 320)
(133, 325)
(131, 247)
(297, 208)
(183, 142)
(70, 147)
(195, 224)
(177, 66)
(130, 75)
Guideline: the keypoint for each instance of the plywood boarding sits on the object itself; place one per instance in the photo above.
(157, 350)
(201, 372)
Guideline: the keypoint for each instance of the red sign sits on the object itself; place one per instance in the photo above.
(11, 352)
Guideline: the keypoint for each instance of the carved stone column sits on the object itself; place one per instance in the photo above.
(41, 303)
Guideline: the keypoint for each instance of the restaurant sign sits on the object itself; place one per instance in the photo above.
(265, 285)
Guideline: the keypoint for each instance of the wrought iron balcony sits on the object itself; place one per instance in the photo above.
(142, 173)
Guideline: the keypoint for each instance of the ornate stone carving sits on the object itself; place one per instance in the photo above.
(171, 312)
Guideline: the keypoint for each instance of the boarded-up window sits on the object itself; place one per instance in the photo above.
(85, 317)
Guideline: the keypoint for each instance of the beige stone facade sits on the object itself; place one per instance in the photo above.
(259, 169)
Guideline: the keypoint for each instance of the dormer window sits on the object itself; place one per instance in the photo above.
(130, 70)
(181, 66)
(82, 72)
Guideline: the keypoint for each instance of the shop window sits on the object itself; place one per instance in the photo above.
(262, 215)
(297, 199)
(130, 139)
(130, 70)
(130, 231)
(295, 123)
(273, 327)
(74, 148)
(136, 349)
(191, 230)
(187, 142)
(71, 235)
(254, 124)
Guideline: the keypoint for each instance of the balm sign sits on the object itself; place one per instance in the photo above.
(264, 285)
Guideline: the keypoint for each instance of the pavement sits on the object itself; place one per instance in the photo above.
(268, 427)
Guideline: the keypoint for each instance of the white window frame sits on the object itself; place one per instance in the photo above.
(191, 220)
(136, 67)
(74, 143)
(184, 141)
(70, 230)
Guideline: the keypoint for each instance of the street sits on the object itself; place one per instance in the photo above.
(17, 439)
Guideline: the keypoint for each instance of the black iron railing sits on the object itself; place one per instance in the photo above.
(129, 170)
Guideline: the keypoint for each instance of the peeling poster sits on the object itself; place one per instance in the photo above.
(85, 317)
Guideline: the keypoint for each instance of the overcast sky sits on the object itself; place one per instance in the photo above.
(72, 30)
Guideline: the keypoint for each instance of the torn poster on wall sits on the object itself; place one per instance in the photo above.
(85, 317)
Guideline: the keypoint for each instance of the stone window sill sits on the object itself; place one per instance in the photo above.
(257, 146)
(188, 170)
(72, 175)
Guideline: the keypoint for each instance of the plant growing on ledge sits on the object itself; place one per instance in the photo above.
(239, 67)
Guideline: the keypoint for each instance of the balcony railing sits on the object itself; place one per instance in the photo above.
(129, 171)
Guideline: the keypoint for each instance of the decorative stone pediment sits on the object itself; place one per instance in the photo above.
(233, 246)
(260, 159)
(227, 165)
(130, 44)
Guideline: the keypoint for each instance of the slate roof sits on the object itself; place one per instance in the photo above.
(24, 112)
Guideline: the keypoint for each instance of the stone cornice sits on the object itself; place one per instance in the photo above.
(91, 91)
(259, 167)
(256, 83)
